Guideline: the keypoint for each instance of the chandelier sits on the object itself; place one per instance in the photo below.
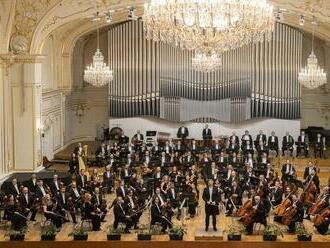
(312, 76)
(206, 62)
(98, 73)
(208, 26)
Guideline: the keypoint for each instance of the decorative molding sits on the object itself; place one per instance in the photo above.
(80, 111)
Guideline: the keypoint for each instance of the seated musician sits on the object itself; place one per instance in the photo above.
(15, 214)
(270, 174)
(259, 215)
(189, 197)
(137, 141)
(319, 146)
(216, 148)
(322, 219)
(73, 164)
(221, 160)
(261, 137)
(131, 201)
(121, 190)
(101, 155)
(156, 149)
(32, 183)
(232, 148)
(276, 194)
(179, 148)
(273, 143)
(313, 177)
(246, 137)
(27, 202)
(194, 149)
(158, 215)
(175, 174)
(108, 179)
(160, 195)
(249, 178)
(211, 198)
(234, 198)
(126, 173)
(164, 185)
(213, 172)
(66, 204)
(91, 212)
(173, 195)
(146, 158)
(249, 160)
(247, 148)
(288, 171)
(75, 195)
(287, 144)
(308, 170)
(261, 148)
(81, 179)
(99, 202)
(121, 214)
(233, 139)
(298, 216)
(52, 211)
(188, 160)
(302, 144)
(183, 132)
(263, 159)
(95, 180)
(233, 159)
(55, 185)
(14, 188)
(41, 190)
(167, 148)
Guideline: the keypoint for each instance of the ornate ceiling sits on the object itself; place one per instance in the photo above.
(34, 20)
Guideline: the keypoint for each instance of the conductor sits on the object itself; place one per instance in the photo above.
(211, 199)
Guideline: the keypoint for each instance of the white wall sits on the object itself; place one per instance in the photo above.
(131, 125)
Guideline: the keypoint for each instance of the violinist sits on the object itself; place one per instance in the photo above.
(121, 214)
(108, 179)
(298, 214)
(131, 201)
(233, 198)
(121, 190)
(66, 204)
(32, 183)
(99, 202)
(211, 199)
(258, 215)
(27, 203)
(14, 188)
(55, 185)
(15, 213)
(126, 173)
(276, 194)
(75, 195)
(41, 190)
(158, 214)
(81, 179)
(91, 212)
(288, 171)
(52, 211)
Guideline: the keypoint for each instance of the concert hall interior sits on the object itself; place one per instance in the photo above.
(195, 122)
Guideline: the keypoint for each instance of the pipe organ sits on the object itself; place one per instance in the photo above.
(156, 79)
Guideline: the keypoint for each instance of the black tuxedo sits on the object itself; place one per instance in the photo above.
(121, 192)
(287, 144)
(12, 190)
(28, 203)
(273, 143)
(207, 134)
(248, 139)
(235, 138)
(263, 138)
(285, 174)
(211, 209)
(81, 181)
(182, 132)
(31, 185)
(277, 197)
(108, 180)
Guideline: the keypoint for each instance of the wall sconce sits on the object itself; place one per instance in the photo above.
(80, 110)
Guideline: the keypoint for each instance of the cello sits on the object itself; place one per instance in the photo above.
(281, 209)
(320, 218)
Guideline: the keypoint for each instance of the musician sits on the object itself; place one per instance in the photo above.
(233, 147)
(188, 160)
(246, 137)
(212, 172)
(167, 148)
(14, 188)
(259, 215)
(287, 143)
(137, 141)
(65, 203)
(55, 185)
(32, 183)
(121, 190)
(99, 203)
(126, 173)
(123, 139)
(302, 144)
(221, 160)
(172, 195)
(233, 139)
(323, 227)
(147, 158)
(211, 199)
(79, 151)
(288, 171)
(41, 190)
(52, 211)
(81, 179)
(233, 198)
(247, 148)
(207, 135)
(121, 214)
(249, 160)
(233, 159)
(276, 194)
(131, 201)
(261, 148)
(157, 215)
(194, 149)
(73, 163)
(270, 174)
(27, 203)
(319, 146)
(299, 216)
(261, 137)
(313, 177)
(182, 132)
(160, 196)
(101, 154)
(273, 143)
(91, 212)
(108, 179)
(75, 195)
(216, 148)
(308, 170)
(263, 159)
(156, 149)
(14, 213)
(179, 148)
(249, 178)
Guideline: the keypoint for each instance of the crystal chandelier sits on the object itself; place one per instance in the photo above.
(98, 73)
(206, 62)
(312, 76)
(208, 26)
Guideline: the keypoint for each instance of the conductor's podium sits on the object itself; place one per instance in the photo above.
(202, 235)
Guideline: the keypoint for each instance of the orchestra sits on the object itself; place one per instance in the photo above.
(235, 176)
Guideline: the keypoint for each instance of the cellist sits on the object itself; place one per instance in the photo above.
(259, 215)
(321, 221)
(298, 214)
